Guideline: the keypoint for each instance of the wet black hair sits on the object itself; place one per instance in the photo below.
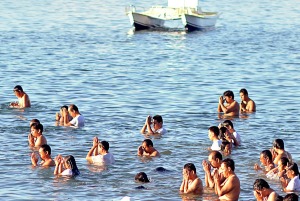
(216, 155)
(105, 145)
(18, 87)
(244, 91)
(215, 130)
(158, 118)
(278, 144)
(291, 197)
(47, 148)
(228, 122)
(224, 144)
(37, 126)
(64, 106)
(267, 154)
(259, 184)
(229, 163)
(148, 142)
(295, 168)
(190, 167)
(284, 161)
(229, 93)
(141, 177)
(71, 161)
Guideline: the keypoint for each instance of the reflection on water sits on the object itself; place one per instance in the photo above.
(64, 52)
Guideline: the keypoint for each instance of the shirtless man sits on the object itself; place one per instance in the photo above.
(157, 127)
(266, 160)
(36, 137)
(247, 104)
(232, 107)
(191, 183)
(23, 98)
(263, 192)
(214, 161)
(278, 151)
(45, 155)
(229, 189)
(147, 149)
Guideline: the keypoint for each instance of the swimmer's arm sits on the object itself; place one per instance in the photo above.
(58, 168)
(251, 108)
(228, 108)
(31, 140)
(183, 185)
(143, 130)
(90, 153)
(34, 159)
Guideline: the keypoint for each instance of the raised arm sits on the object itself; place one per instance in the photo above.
(209, 181)
(93, 150)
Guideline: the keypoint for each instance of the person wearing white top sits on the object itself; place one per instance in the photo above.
(292, 173)
(157, 128)
(99, 153)
(78, 119)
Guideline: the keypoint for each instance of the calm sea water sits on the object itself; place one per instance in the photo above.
(85, 53)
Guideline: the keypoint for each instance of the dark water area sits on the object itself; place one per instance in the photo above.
(85, 53)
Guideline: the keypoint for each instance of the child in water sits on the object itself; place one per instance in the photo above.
(66, 166)
(36, 138)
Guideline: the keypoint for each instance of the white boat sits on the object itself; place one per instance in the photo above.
(185, 11)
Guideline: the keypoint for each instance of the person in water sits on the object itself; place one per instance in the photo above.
(191, 183)
(141, 177)
(36, 137)
(292, 173)
(231, 108)
(247, 104)
(157, 128)
(211, 167)
(147, 149)
(23, 98)
(230, 188)
(213, 135)
(266, 160)
(278, 151)
(78, 119)
(59, 116)
(66, 166)
(263, 192)
(45, 155)
(291, 197)
(280, 170)
(99, 153)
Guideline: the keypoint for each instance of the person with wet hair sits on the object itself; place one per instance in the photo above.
(153, 125)
(36, 137)
(263, 192)
(191, 183)
(226, 148)
(229, 125)
(211, 167)
(59, 116)
(230, 188)
(278, 151)
(213, 134)
(292, 173)
(266, 161)
(45, 155)
(147, 149)
(247, 104)
(99, 153)
(232, 107)
(141, 177)
(23, 98)
(280, 170)
(291, 197)
(66, 166)
(78, 119)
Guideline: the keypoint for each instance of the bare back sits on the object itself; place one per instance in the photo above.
(231, 189)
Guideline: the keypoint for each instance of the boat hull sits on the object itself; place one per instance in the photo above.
(199, 22)
(141, 21)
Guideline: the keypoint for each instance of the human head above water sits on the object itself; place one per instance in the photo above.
(70, 161)
(46, 148)
(18, 88)
(229, 163)
(259, 184)
(141, 177)
(244, 91)
(105, 145)
(227, 123)
(215, 130)
(34, 121)
(190, 167)
(148, 142)
(267, 155)
(229, 94)
(158, 118)
(278, 144)
(37, 126)
(291, 197)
